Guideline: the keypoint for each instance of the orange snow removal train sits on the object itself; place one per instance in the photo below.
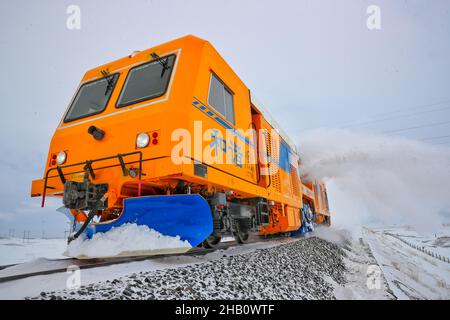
(171, 138)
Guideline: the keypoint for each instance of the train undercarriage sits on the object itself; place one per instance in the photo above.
(217, 214)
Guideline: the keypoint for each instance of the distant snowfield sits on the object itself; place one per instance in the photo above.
(404, 273)
(15, 250)
(410, 273)
(437, 242)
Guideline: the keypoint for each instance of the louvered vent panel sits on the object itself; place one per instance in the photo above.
(295, 182)
(275, 177)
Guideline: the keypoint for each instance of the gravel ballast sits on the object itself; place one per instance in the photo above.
(300, 269)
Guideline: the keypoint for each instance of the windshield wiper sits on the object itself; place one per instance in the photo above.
(164, 62)
(109, 78)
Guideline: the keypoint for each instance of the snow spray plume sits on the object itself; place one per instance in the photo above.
(379, 179)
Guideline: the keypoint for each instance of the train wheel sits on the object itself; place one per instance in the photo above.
(211, 242)
(241, 237)
(241, 233)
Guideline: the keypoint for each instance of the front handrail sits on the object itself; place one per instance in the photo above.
(88, 167)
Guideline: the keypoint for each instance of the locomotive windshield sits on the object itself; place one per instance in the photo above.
(92, 98)
(146, 81)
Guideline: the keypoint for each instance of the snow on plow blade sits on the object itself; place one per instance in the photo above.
(186, 216)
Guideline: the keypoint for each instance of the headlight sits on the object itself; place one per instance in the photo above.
(61, 157)
(142, 140)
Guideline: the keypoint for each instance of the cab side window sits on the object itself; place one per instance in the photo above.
(221, 98)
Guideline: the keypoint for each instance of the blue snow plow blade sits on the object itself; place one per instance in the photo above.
(187, 216)
(303, 229)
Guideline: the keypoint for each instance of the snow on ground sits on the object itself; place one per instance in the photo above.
(33, 286)
(294, 270)
(13, 250)
(126, 238)
(437, 242)
(330, 263)
(380, 266)
(411, 274)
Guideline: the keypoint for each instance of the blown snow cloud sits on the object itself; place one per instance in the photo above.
(379, 179)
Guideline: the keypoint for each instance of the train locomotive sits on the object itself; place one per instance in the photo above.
(171, 138)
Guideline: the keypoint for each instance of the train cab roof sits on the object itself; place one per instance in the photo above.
(136, 56)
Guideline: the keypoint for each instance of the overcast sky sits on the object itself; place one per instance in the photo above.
(314, 64)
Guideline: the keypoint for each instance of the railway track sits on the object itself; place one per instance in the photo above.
(17, 272)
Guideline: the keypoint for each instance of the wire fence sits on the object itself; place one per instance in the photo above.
(421, 248)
